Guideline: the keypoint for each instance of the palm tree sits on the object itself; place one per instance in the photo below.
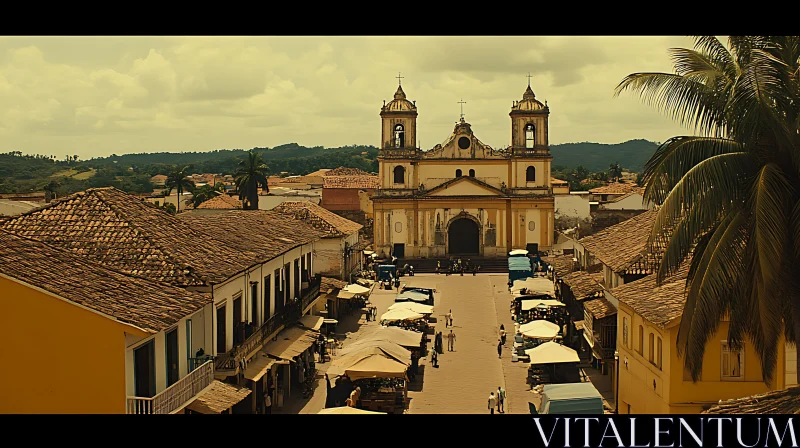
(206, 192)
(251, 175)
(614, 171)
(729, 198)
(178, 179)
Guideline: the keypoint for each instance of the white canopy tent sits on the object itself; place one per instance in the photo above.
(552, 353)
(539, 329)
(400, 314)
(517, 252)
(534, 285)
(528, 305)
(347, 410)
(412, 306)
(356, 289)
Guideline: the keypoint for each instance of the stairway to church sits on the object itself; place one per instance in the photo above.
(428, 265)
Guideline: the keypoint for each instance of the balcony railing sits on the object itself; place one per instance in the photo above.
(176, 396)
(291, 314)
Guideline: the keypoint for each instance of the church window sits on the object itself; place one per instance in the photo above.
(530, 174)
(463, 143)
(399, 136)
(530, 140)
(471, 173)
(399, 175)
(458, 173)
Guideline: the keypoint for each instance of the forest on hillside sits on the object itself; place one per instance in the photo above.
(20, 173)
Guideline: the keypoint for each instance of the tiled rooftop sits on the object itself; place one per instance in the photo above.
(562, 264)
(343, 171)
(786, 401)
(221, 202)
(362, 182)
(660, 305)
(599, 308)
(318, 217)
(614, 188)
(327, 284)
(623, 247)
(582, 284)
(218, 397)
(141, 302)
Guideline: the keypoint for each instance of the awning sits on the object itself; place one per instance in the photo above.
(517, 252)
(396, 335)
(356, 289)
(552, 353)
(371, 359)
(345, 295)
(539, 329)
(369, 252)
(347, 410)
(311, 322)
(411, 295)
(218, 397)
(291, 343)
(258, 366)
(528, 305)
(412, 306)
(395, 315)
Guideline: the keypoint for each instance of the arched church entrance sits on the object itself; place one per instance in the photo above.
(463, 237)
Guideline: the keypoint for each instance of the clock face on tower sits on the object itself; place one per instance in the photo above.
(463, 143)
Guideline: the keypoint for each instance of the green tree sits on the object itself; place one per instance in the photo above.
(251, 175)
(206, 192)
(177, 179)
(730, 197)
(615, 171)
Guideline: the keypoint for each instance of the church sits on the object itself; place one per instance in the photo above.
(463, 197)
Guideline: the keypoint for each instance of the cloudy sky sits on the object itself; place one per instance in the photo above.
(94, 96)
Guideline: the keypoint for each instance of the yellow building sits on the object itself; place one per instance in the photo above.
(463, 197)
(70, 326)
(652, 378)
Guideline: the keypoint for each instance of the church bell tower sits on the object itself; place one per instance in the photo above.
(529, 121)
(399, 122)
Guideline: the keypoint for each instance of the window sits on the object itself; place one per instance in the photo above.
(651, 348)
(398, 227)
(732, 368)
(625, 331)
(222, 338)
(173, 374)
(641, 340)
(254, 303)
(531, 226)
(266, 299)
(471, 173)
(530, 174)
(399, 136)
(530, 140)
(279, 303)
(458, 173)
(659, 354)
(399, 175)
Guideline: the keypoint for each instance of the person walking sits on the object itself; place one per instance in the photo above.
(435, 359)
(501, 399)
(503, 334)
(268, 402)
(451, 340)
(447, 318)
(499, 348)
(492, 403)
(438, 266)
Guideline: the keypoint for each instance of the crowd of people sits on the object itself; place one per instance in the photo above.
(457, 266)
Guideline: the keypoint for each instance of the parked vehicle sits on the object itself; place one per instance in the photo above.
(427, 291)
(569, 398)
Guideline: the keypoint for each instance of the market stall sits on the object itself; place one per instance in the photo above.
(405, 319)
(540, 329)
(413, 306)
(552, 362)
(379, 368)
(412, 296)
(348, 410)
(408, 339)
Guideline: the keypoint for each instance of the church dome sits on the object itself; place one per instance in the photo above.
(529, 103)
(399, 103)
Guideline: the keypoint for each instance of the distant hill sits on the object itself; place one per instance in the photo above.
(595, 157)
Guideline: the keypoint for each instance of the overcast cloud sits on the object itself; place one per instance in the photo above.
(94, 96)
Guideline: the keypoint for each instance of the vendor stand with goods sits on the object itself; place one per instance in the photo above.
(552, 362)
(533, 334)
(405, 318)
(380, 369)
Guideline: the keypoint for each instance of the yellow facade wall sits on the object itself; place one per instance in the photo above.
(61, 358)
(650, 390)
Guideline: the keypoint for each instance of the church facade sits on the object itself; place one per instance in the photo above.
(463, 197)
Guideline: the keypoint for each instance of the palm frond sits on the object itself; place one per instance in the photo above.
(686, 100)
(675, 157)
(694, 65)
(795, 230)
(717, 52)
(768, 199)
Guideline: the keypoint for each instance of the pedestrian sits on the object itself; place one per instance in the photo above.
(499, 349)
(503, 334)
(451, 340)
(435, 359)
(438, 266)
(451, 318)
(447, 319)
(440, 343)
(268, 402)
(501, 400)
(492, 403)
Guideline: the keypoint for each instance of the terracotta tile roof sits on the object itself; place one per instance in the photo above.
(327, 284)
(582, 284)
(599, 308)
(134, 237)
(554, 181)
(218, 397)
(637, 190)
(158, 177)
(660, 305)
(614, 188)
(622, 247)
(254, 235)
(141, 302)
(562, 264)
(274, 180)
(320, 172)
(786, 401)
(318, 217)
(362, 181)
(343, 171)
(221, 202)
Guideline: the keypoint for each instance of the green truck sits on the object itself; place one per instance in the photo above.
(569, 398)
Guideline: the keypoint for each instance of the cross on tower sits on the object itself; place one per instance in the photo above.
(399, 82)
(529, 79)
(462, 103)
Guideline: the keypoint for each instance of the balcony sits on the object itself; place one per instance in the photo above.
(536, 151)
(175, 397)
(291, 314)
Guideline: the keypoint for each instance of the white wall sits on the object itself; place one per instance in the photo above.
(632, 202)
(330, 257)
(14, 208)
(572, 206)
